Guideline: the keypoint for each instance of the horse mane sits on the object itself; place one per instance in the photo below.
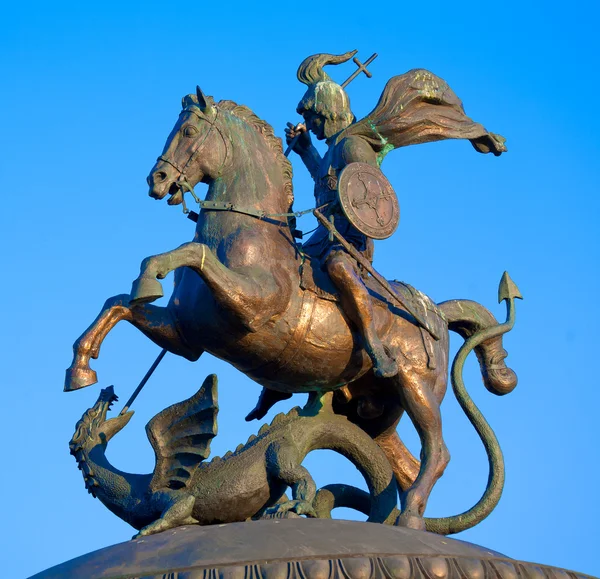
(274, 142)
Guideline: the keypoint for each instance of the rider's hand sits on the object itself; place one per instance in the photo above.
(303, 143)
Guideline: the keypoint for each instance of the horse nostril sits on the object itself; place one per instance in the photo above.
(160, 176)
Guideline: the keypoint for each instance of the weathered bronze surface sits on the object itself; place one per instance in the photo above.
(366, 265)
(249, 483)
(368, 200)
(299, 549)
(239, 285)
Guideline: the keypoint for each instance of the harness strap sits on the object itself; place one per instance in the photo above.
(258, 214)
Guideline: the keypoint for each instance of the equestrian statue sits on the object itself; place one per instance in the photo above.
(313, 317)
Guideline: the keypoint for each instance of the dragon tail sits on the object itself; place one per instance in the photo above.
(345, 438)
(484, 335)
(466, 317)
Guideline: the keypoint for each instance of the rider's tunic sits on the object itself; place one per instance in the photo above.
(326, 197)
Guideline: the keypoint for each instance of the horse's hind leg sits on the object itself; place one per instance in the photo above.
(423, 407)
(155, 322)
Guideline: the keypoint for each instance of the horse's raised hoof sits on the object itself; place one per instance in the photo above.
(78, 377)
(145, 290)
(411, 522)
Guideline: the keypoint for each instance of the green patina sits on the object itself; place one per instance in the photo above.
(381, 155)
(387, 146)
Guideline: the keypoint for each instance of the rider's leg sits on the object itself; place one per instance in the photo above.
(357, 306)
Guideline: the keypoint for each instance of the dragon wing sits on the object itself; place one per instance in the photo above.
(181, 435)
(419, 107)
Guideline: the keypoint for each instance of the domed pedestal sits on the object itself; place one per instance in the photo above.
(299, 549)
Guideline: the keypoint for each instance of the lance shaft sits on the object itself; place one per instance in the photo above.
(143, 382)
(292, 145)
(365, 263)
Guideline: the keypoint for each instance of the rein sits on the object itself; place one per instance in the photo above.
(258, 214)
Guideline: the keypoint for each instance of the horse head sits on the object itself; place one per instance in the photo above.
(223, 143)
(195, 151)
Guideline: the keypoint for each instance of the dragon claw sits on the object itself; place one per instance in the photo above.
(296, 506)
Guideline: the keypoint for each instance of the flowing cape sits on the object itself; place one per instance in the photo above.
(419, 107)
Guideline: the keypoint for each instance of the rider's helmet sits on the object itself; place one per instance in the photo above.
(325, 105)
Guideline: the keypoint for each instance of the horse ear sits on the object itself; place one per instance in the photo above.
(187, 101)
(203, 100)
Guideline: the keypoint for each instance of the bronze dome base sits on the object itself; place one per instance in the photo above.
(299, 549)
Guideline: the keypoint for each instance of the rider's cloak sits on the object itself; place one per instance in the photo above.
(419, 107)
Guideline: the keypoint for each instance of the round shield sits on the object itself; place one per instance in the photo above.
(368, 200)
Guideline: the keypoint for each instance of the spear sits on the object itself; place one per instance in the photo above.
(143, 382)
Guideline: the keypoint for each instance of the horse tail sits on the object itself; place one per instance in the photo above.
(466, 317)
(483, 334)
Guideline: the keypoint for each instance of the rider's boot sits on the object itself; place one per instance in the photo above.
(356, 302)
(383, 365)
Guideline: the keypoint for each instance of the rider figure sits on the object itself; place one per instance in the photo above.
(415, 107)
(326, 111)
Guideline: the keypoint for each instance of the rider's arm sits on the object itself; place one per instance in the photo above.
(304, 147)
(312, 160)
(357, 150)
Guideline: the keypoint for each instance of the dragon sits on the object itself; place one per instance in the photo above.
(248, 483)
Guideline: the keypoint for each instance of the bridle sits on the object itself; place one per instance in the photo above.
(182, 181)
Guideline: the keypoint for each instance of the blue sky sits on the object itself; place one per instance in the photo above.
(89, 94)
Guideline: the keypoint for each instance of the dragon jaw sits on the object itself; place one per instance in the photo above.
(94, 428)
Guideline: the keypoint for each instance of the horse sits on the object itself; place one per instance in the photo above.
(239, 295)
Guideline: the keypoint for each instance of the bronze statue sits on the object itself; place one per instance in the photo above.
(248, 293)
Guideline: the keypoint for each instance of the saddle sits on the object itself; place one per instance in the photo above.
(314, 279)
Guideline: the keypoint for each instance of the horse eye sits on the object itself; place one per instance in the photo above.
(190, 131)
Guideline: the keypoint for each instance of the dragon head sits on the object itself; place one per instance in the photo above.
(93, 428)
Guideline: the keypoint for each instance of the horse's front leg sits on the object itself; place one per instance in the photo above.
(155, 322)
(250, 292)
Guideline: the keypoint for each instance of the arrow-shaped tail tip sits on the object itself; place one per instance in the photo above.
(508, 290)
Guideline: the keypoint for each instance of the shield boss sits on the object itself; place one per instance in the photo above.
(368, 200)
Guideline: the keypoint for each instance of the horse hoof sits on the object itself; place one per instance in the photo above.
(77, 378)
(145, 290)
(411, 522)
